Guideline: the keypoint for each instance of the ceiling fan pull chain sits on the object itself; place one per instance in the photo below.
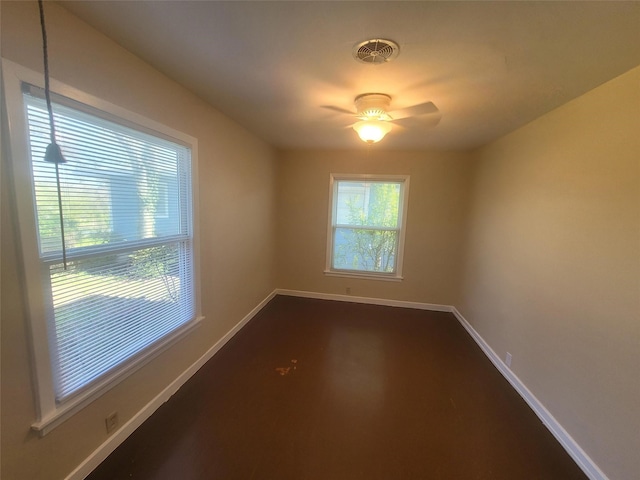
(53, 154)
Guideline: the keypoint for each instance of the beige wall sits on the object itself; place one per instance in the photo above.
(236, 182)
(553, 265)
(437, 207)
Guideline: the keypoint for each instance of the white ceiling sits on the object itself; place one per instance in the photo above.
(490, 67)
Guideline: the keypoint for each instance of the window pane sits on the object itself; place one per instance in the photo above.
(109, 308)
(365, 249)
(118, 184)
(373, 204)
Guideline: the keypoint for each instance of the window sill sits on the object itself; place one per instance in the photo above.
(68, 409)
(364, 276)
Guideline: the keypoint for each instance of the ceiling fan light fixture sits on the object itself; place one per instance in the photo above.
(372, 131)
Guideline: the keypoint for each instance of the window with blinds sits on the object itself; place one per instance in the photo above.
(126, 205)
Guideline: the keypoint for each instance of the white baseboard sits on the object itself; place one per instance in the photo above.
(104, 450)
(369, 300)
(587, 465)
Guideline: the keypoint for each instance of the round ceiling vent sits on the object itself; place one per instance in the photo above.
(376, 51)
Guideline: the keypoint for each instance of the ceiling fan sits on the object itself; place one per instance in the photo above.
(376, 117)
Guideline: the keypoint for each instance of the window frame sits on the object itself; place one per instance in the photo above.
(334, 179)
(35, 269)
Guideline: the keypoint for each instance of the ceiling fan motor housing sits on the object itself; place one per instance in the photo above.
(373, 106)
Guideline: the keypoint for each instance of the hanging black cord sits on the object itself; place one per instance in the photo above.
(53, 153)
(64, 247)
(45, 54)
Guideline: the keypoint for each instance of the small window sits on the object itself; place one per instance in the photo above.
(366, 231)
(129, 285)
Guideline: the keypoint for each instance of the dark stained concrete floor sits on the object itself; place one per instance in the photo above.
(320, 390)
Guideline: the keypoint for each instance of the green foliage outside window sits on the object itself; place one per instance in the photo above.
(361, 247)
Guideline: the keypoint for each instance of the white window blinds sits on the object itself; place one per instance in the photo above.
(126, 202)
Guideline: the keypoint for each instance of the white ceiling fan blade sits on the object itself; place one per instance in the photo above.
(414, 111)
(339, 109)
(418, 122)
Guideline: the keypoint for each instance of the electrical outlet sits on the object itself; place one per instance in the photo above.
(507, 359)
(111, 422)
